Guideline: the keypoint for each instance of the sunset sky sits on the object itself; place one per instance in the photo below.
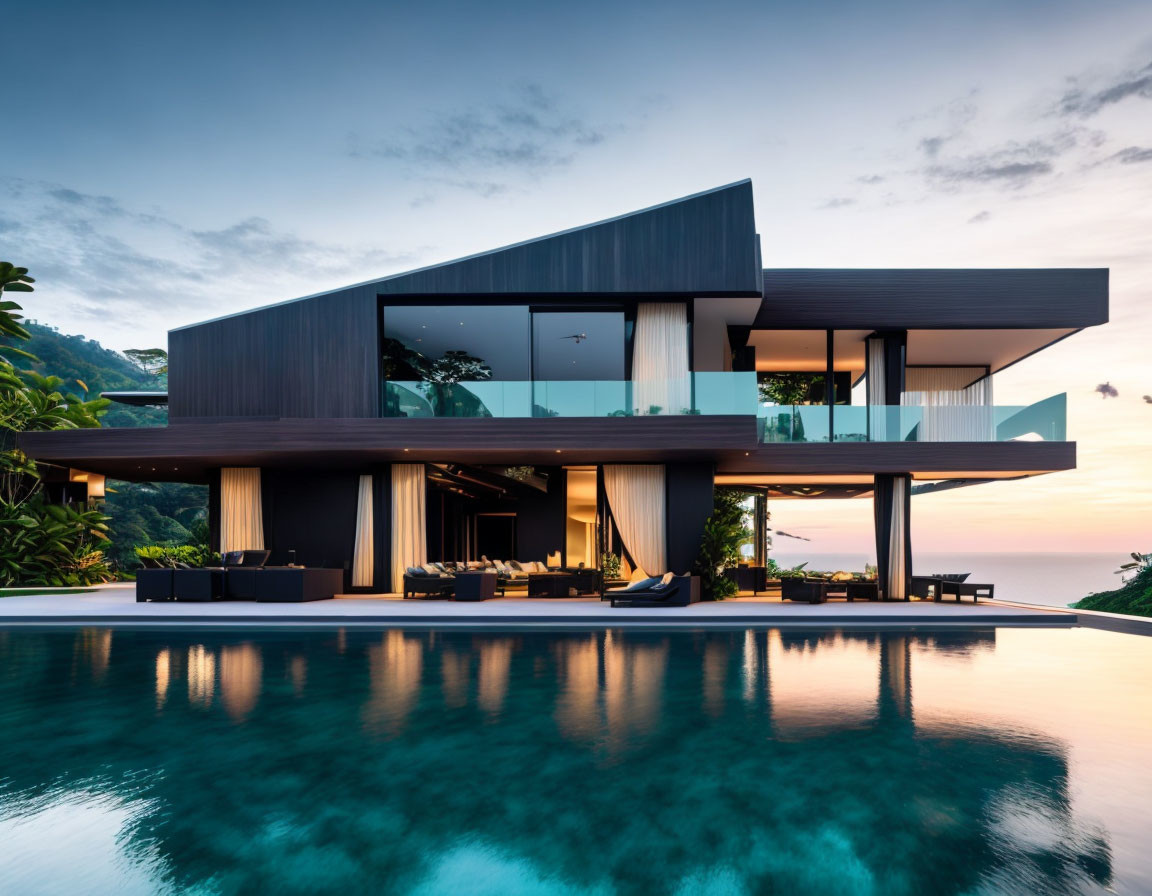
(167, 163)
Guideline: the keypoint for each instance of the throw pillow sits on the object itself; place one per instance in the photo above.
(643, 584)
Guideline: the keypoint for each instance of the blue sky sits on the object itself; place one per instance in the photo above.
(166, 162)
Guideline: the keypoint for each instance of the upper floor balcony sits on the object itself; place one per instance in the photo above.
(730, 394)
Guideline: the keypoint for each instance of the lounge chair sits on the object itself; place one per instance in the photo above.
(679, 592)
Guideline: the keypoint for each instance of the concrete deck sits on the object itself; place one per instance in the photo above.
(115, 605)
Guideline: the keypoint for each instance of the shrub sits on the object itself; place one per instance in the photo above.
(52, 544)
(173, 554)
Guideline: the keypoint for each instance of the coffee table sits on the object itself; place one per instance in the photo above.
(475, 585)
(550, 584)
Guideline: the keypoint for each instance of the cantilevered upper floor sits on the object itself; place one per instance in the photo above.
(655, 333)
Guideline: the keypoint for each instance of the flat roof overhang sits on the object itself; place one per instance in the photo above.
(187, 452)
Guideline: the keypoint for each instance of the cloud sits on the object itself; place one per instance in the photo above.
(1132, 155)
(1011, 165)
(529, 135)
(103, 261)
(931, 146)
(870, 179)
(1085, 101)
(980, 217)
(837, 202)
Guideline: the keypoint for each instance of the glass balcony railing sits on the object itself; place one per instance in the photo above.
(716, 393)
(1045, 421)
(708, 393)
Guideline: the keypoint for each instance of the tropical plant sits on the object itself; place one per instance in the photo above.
(41, 543)
(610, 564)
(13, 279)
(795, 572)
(724, 531)
(172, 555)
(52, 544)
(1140, 562)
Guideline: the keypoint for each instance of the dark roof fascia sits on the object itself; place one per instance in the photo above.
(934, 298)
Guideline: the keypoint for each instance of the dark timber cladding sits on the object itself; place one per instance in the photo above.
(314, 358)
(701, 245)
(319, 356)
(910, 299)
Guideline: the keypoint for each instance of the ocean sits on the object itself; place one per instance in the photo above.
(1040, 578)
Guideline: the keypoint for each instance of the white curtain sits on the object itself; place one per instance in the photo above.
(660, 376)
(897, 570)
(955, 408)
(408, 533)
(636, 497)
(241, 511)
(877, 415)
(364, 551)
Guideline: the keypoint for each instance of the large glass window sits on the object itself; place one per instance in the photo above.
(461, 343)
(578, 345)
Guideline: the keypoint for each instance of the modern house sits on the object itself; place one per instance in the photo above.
(588, 390)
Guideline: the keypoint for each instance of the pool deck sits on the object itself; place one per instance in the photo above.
(115, 605)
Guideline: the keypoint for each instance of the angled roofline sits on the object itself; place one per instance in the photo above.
(473, 256)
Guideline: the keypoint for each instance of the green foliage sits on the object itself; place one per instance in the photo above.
(12, 279)
(173, 554)
(610, 564)
(154, 513)
(788, 388)
(41, 543)
(796, 572)
(1133, 598)
(52, 544)
(153, 361)
(81, 360)
(724, 532)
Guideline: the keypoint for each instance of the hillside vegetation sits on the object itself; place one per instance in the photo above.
(1134, 597)
(140, 513)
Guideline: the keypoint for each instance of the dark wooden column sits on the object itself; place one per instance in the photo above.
(214, 509)
(687, 505)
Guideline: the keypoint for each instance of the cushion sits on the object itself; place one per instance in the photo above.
(439, 566)
(414, 571)
(638, 575)
(516, 565)
(643, 584)
(664, 581)
(431, 569)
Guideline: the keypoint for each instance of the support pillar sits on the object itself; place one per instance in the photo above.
(892, 506)
(687, 506)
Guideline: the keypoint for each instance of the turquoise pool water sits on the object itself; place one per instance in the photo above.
(579, 763)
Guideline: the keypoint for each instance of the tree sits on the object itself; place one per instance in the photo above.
(153, 361)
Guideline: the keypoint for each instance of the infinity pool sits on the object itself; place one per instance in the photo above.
(579, 763)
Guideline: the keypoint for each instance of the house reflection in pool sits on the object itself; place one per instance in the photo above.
(771, 758)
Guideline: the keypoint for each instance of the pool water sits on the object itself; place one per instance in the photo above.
(577, 763)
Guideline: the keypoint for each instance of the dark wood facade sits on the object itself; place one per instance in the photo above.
(315, 358)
